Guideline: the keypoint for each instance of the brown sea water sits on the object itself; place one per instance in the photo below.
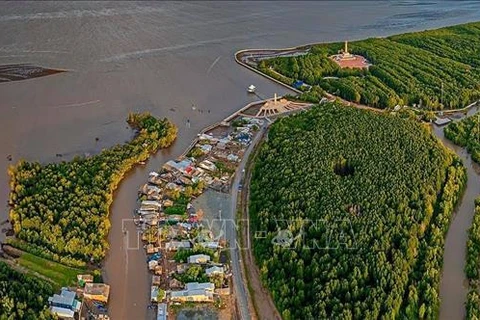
(162, 57)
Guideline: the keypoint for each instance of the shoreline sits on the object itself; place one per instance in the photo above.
(228, 130)
(219, 123)
(305, 48)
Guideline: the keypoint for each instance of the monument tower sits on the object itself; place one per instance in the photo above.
(345, 54)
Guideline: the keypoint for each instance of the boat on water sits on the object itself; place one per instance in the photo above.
(251, 89)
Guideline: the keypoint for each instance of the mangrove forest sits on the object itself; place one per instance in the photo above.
(352, 207)
(59, 211)
(466, 133)
(23, 296)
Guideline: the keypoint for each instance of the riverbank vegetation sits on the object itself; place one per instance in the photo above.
(435, 69)
(60, 210)
(472, 267)
(354, 207)
(23, 296)
(466, 133)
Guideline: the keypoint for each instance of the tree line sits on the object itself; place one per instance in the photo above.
(60, 210)
(466, 133)
(355, 207)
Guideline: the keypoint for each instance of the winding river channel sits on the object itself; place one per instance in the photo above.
(453, 285)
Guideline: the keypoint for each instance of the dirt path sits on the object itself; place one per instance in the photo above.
(261, 298)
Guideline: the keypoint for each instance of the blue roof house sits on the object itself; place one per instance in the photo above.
(64, 305)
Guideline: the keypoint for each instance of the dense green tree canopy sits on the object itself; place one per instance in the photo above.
(472, 267)
(367, 199)
(60, 210)
(466, 133)
(23, 296)
(437, 69)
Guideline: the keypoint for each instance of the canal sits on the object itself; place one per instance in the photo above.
(453, 284)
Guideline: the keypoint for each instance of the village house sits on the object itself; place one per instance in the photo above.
(155, 178)
(210, 244)
(233, 157)
(84, 278)
(167, 177)
(184, 181)
(184, 166)
(175, 284)
(147, 208)
(151, 204)
(148, 189)
(207, 165)
(221, 155)
(155, 267)
(199, 295)
(208, 137)
(150, 219)
(172, 186)
(96, 291)
(162, 311)
(154, 196)
(194, 292)
(153, 190)
(175, 245)
(214, 271)
(208, 286)
(206, 148)
(146, 211)
(167, 203)
(151, 248)
(65, 304)
(199, 258)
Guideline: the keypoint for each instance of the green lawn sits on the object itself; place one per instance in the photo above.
(59, 273)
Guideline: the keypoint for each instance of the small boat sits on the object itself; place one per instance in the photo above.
(251, 89)
(142, 163)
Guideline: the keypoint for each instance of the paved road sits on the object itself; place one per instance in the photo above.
(239, 284)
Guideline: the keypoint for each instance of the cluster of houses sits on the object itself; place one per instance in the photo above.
(92, 306)
(215, 155)
(171, 225)
(171, 282)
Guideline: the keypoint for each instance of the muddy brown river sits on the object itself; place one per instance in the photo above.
(453, 285)
(168, 58)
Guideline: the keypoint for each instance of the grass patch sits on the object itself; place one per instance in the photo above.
(58, 273)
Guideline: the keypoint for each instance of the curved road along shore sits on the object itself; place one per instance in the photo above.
(241, 292)
(453, 283)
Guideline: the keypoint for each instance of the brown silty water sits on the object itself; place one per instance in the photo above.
(172, 59)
